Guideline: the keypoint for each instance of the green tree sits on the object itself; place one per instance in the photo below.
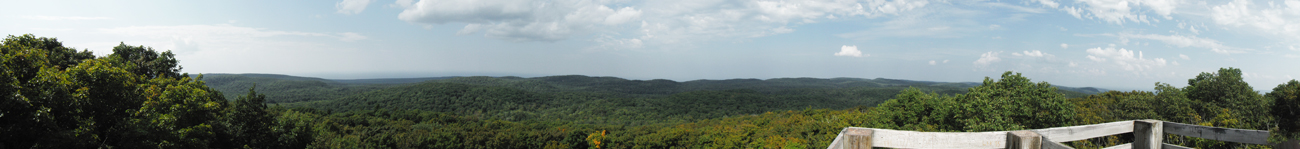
(1286, 108)
(247, 123)
(145, 61)
(1011, 103)
(1225, 91)
(55, 97)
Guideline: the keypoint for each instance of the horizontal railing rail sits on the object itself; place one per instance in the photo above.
(1147, 134)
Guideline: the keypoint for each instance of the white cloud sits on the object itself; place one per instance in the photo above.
(1048, 3)
(351, 6)
(988, 58)
(65, 18)
(1120, 11)
(848, 50)
(1035, 53)
(518, 20)
(1275, 19)
(666, 22)
(937, 62)
(1184, 57)
(1125, 58)
(1065, 46)
(1185, 41)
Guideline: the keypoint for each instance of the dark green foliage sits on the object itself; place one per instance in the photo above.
(1286, 108)
(1225, 93)
(287, 89)
(247, 123)
(55, 97)
(1011, 103)
(145, 61)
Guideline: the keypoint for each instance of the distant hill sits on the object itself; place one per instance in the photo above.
(582, 98)
(286, 89)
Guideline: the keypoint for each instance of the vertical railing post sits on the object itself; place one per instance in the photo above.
(1290, 144)
(1024, 140)
(1148, 134)
(856, 138)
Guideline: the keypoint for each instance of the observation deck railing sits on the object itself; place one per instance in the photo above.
(1148, 134)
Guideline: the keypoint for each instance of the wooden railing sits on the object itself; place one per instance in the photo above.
(1148, 134)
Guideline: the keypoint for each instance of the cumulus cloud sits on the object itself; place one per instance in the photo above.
(1124, 58)
(1185, 41)
(1121, 11)
(988, 58)
(1065, 46)
(848, 50)
(1184, 57)
(518, 20)
(1279, 19)
(351, 6)
(671, 22)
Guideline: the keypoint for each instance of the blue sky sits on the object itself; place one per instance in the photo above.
(1116, 44)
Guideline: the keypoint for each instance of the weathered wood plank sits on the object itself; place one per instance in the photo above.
(857, 139)
(836, 143)
(1049, 144)
(1075, 133)
(912, 139)
(1171, 146)
(1121, 146)
(1217, 133)
(1148, 134)
(1292, 144)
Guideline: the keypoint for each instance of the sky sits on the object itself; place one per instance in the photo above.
(1113, 44)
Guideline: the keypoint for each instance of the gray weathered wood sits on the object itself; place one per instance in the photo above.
(1049, 144)
(1217, 133)
(1121, 146)
(1293, 144)
(836, 144)
(912, 139)
(857, 139)
(1075, 133)
(1148, 134)
(1024, 140)
(1171, 146)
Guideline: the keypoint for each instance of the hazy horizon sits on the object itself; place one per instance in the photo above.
(1118, 45)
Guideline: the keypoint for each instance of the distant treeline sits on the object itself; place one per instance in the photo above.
(56, 97)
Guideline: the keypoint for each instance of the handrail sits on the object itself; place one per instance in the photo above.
(1148, 134)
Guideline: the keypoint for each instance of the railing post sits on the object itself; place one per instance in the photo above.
(1290, 144)
(1148, 134)
(1024, 140)
(856, 139)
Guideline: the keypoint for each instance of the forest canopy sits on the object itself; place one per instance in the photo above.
(53, 96)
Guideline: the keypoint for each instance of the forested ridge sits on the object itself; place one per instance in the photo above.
(57, 97)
